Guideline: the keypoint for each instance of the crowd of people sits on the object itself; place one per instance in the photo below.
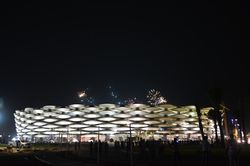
(155, 149)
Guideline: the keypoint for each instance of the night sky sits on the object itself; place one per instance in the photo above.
(49, 52)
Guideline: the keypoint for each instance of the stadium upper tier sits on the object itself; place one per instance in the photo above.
(110, 119)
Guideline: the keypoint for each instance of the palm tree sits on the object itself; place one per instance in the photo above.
(243, 106)
(213, 116)
(199, 121)
(219, 119)
(215, 95)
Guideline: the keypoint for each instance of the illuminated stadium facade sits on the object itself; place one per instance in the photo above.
(79, 122)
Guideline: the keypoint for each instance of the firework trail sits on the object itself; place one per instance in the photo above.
(85, 98)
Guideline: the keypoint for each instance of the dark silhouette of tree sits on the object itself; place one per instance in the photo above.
(199, 121)
(243, 107)
(238, 116)
(219, 118)
(213, 116)
(215, 95)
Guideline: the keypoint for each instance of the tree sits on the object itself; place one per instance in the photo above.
(243, 107)
(219, 119)
(215, 95)
(213, 116)
(200, 123)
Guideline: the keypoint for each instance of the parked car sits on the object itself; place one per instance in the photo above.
(19, 144)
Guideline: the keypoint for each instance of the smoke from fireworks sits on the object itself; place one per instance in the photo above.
(131, 101)
(112, 93)
(154, 97)
(117, 99)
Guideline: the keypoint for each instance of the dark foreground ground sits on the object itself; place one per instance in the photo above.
(61, 156)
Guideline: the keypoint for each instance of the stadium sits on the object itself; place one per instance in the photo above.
(78, 122)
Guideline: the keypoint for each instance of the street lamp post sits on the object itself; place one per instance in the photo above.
(98, 147)
(131, 148)
(80, 141)
(68, 138)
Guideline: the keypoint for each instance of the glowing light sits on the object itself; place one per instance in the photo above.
(92, 129)
(50, 120)
(77, 126)
(39, 124)
(74, 140)
(137, 119)
(92, 122)
(107, 119)
(51, 132)
(76, 119)
(63, 116)
(82, 94)
(41, 129)
(63, 122)
(91, 116)
(107, 125)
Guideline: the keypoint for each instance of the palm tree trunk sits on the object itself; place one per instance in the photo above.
(216, 132)
(242, 112)
(221, 132)
(216, 96)
(244, 131)
(240, 133)
(200, 123)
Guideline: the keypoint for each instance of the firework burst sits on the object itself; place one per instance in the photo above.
(154, 97)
